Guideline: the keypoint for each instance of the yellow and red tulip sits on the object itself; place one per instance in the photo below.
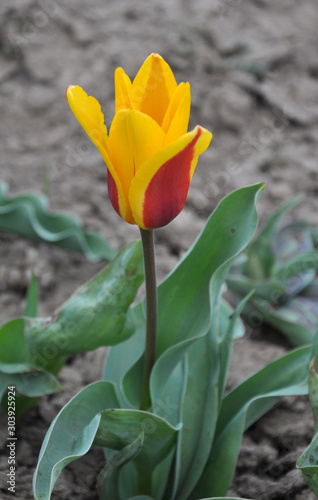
(149, 154)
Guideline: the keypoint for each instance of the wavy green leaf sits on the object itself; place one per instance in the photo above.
(32, 350)
(28, 215)
(120, 458)
(33, 383)
(243, 406)
(96, 314)
(120, 428)
(91, 416)
(184, 298)
(71, 434)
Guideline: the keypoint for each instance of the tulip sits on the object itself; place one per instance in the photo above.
(149, 154)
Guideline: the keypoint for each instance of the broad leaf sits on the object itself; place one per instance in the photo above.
(13, 348)
(122, 357)
(27, 215)
(186, 289)
(71, 434)
(242, 407)
(32, 384)
(260, 253)
(297, 319)
(117, 459)
(120, 428)
(90, 417)
(183, 297)
(97, 314)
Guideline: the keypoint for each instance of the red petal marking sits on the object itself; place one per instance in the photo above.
(113, 192)
(167, 191)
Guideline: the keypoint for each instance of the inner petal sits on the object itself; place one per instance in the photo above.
(133, 139)
(153, 87)
(122, 90)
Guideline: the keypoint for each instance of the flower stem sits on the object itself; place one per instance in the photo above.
(148, 246)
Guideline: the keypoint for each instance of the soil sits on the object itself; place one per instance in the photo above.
(253, 70)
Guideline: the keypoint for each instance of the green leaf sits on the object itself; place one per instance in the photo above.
(266, 290)
(13, 348)
(297, 273)
(294, 239)
(117, 459)
(71, 434)
(32, 384)
(296, 320)
(313, 390)
(226, 312)
(308, 461)
(206, 381)
(308, 464)
(120, 428)
(122, 357)
(108, 487)
(90, 417)
(260, 253)
(243, 406)
(96, 314)
(226, 347)
(17, 369)
(32, 299)
(199, 412)
(27, 215)
(184, 311)
(141, 497)
(186, 289)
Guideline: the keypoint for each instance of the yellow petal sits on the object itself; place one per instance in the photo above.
(122, 90)
(133, 138)
(159, 189)
(176, 119)
(153, 87)
(88, 112)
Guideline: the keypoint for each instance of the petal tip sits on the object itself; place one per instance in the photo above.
(68, 89)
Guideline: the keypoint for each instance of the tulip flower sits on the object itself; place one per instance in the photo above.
(149, 154)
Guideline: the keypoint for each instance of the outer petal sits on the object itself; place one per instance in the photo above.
(159, 191)
(88, 112)
(176, 120)
(133, 138)
(122, 90)
(153, 87)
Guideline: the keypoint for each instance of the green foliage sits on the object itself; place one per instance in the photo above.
(32, 299)
(32, 350)
(186, 445)
(27, 215)
(308, 461)
(280, 265)
(241, 407)
(96, 314)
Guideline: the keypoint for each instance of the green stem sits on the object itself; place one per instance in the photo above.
(148, 246)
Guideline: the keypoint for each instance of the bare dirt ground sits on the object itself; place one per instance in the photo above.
(253, 69)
